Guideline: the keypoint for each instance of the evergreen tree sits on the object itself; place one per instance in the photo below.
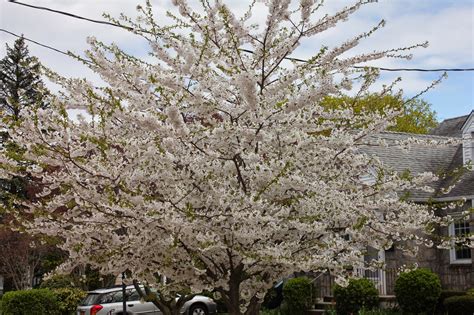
(20, 87)
(20, 82)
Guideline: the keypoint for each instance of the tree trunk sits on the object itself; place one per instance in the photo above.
(254, 307)
(234, 299)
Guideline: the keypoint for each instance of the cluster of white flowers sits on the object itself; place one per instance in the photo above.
(214, 167)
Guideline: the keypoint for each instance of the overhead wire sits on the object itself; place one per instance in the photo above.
(71, 15)
(46, 46)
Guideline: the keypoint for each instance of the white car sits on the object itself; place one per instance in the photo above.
(110, 302)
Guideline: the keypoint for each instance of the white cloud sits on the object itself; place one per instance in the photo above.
(446, 24)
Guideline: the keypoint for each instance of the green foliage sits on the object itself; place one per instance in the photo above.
(265, 311)
(440, 309)
(470, 291)
(460, 305)
(30, 302)
(416, 117)
(417, 291)
(90, 279)
(297, 294)
(359, 294)
(57, 282)
(379, 311)
(20, 81)
(68, 299)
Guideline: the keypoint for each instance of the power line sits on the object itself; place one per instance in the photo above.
(44, 45)
(245, 50)
(382, 68)
(417, 69)
(71, 15)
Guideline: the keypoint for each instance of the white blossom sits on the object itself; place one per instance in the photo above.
(208, 164)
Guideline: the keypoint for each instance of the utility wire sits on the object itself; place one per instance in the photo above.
(71, 15)
(45, 46)
(417, 69)
(35, 42)
(245, 50)
(382, 68)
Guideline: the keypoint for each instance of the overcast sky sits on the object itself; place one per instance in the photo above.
(448, 25)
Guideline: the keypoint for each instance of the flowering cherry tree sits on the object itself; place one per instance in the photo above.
(212, 162)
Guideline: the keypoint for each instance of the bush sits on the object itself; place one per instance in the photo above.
(297, 295)
(31, 302)
(57, 281)
(440, 309)
(418, 291)
(68, 299)
(359, 294)
(460, 305)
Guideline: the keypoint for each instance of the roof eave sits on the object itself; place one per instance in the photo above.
(468, 121)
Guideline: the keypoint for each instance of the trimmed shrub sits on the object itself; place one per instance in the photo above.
(460, 305)
(57, 281)
(440, 309)
(418, 291)
(359, 294)
(31, 302)
(297, 295)
(68, 299)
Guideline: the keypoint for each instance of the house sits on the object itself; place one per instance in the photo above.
(454, 266)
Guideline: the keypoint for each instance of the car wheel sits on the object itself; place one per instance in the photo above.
(198, 309)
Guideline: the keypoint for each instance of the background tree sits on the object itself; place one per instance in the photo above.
(20, 81)
(215, 167)
(416, 115)
(22, 257)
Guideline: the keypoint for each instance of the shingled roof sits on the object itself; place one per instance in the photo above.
(445, 161)
(418, 159)
(450, 127)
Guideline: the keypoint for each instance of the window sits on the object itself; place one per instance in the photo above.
(472, 146)
(460, 253)
(111, 297)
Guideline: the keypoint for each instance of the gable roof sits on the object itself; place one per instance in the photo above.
(460, 177)
(469, 120)
(418, 159)
(451, 127)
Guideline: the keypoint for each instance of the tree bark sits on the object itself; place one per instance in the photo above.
(232, 297)
(254, 307)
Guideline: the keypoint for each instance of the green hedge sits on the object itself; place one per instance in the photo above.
(460, 305)
(418, 291)
(68, 299)
(297, 295)
(30, 302)
(61, 301)
(359, 294)
(440, 309)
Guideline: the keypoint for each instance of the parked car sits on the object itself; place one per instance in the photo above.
(110, 302)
